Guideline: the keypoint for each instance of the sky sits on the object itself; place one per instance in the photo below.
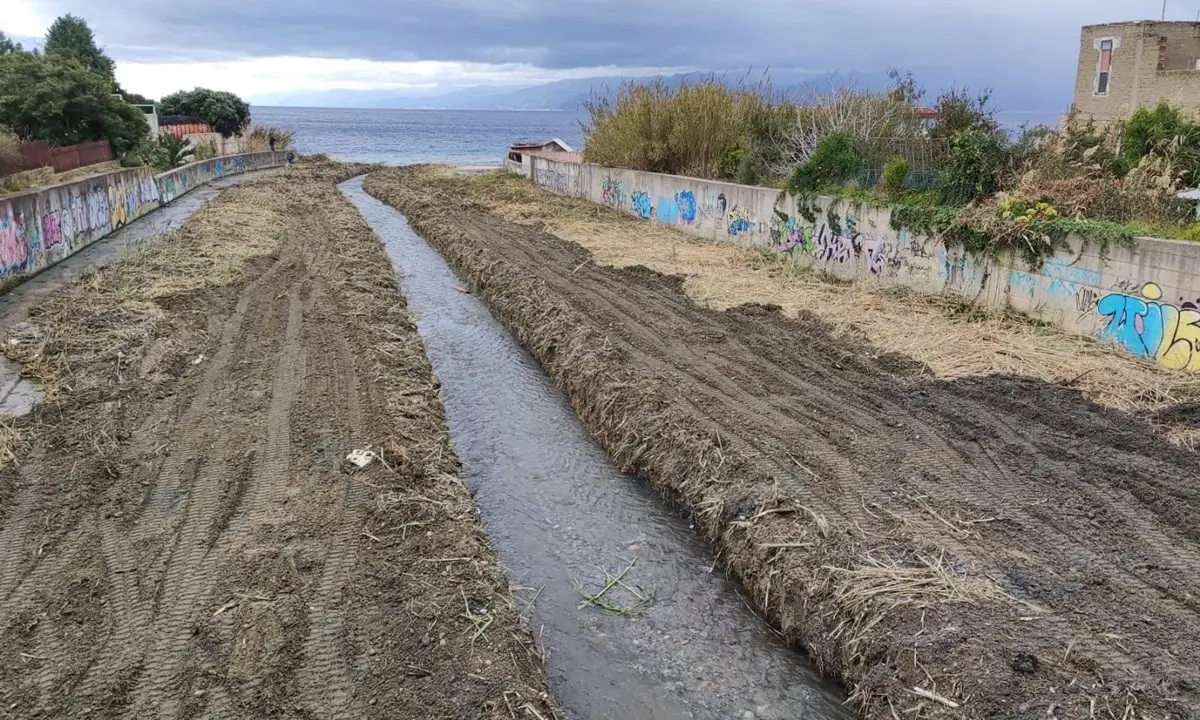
(1025, 49)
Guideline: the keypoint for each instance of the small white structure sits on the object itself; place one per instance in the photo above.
(519, 154)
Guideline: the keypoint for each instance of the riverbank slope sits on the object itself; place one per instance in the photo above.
(988, 546)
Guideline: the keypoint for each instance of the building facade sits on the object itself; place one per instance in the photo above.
(1130, 65)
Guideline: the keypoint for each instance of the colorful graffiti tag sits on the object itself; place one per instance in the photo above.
(686, 200)
(642, 205)
(1148, 327)
(789, 236)
(14, 243)
(829, 246)
(740, 221)
(613, 191)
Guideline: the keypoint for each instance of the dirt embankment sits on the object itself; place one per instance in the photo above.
(987, 547)
(180, 533)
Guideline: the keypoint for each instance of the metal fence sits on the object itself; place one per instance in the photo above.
(36, 155)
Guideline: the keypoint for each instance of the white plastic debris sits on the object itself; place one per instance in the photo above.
(198, 360)
(361, 458)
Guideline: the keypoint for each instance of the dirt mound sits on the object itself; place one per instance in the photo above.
(985, 547)
(181, 534)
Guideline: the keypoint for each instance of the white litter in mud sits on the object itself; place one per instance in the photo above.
(361, 458)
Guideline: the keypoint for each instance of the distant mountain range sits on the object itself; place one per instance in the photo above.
(572, 95)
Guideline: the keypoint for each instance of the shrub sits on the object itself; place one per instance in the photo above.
(205, 150)
(1150, 130)
(895, 172)
(693, 129)
(10, 152)
(258, 138)
(835, 161)
(977, 160)
(172, 152)
(1192, 233)
(959, 111)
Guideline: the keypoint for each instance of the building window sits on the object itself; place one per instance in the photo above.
(1104, 69)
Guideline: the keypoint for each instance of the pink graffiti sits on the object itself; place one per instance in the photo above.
(52, 235)
(14, 253)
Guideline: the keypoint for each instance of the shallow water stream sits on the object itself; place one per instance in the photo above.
(558, 511)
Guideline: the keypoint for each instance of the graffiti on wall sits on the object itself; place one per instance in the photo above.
(740, 221)
(829, 246)
(563, 180)
(641, 204)
(613, 191)
(788, 235)
(14, 241)
(1147, 326)
(686, 200)
(714, 206)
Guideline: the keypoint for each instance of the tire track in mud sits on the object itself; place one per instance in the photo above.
(325, 678)
(191, 565)
(137, 591)
(1021, 485)
(219, 569)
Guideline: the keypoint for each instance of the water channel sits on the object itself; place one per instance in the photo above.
(558, 511)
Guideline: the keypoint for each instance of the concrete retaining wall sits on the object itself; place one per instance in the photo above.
(1146, 299)
(41, 227)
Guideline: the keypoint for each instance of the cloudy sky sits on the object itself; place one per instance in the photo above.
(1025, 49)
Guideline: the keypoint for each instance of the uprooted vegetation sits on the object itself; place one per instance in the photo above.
(182, 534)
(986, 547)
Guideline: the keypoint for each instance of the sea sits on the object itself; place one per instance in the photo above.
(402, 137)
(474, 138)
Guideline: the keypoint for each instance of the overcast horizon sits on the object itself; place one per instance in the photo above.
(278, 52)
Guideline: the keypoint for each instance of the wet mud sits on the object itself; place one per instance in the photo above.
(987, 547)
(560, 513)
(181, 535)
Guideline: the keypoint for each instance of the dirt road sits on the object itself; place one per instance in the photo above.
(992, 546)
(180, 533)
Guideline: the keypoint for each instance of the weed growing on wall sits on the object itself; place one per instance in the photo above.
(1033, 231)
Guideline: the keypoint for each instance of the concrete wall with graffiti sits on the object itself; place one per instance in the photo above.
(40, 228)
(174, 183)
(1146, 300)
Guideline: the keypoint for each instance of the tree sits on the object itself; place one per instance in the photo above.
(7, 46)
(227, 113)
(70, 37)
(57, 100)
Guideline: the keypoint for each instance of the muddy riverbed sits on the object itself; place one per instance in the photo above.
(559, 513)
(992, 546)
(181, 534)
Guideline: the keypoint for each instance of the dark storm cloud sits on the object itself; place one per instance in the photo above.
(575, 33)
(1008, 39)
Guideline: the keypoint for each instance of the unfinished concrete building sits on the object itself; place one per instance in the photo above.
(1129, 65)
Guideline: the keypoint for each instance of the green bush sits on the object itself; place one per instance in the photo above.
(895, 172)
(1192, 233)
(977, 160)
(835, 160)
(1150, 129)
(730, 162)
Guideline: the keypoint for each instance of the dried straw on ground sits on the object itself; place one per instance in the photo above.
(952, 339)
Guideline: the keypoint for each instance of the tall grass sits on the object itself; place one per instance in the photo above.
(10, 152)
(694, 129)
(257, 138)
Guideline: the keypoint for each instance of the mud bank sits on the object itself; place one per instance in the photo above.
(985, 547)
(180, 532)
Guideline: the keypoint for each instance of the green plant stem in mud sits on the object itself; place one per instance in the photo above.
(982, 232)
